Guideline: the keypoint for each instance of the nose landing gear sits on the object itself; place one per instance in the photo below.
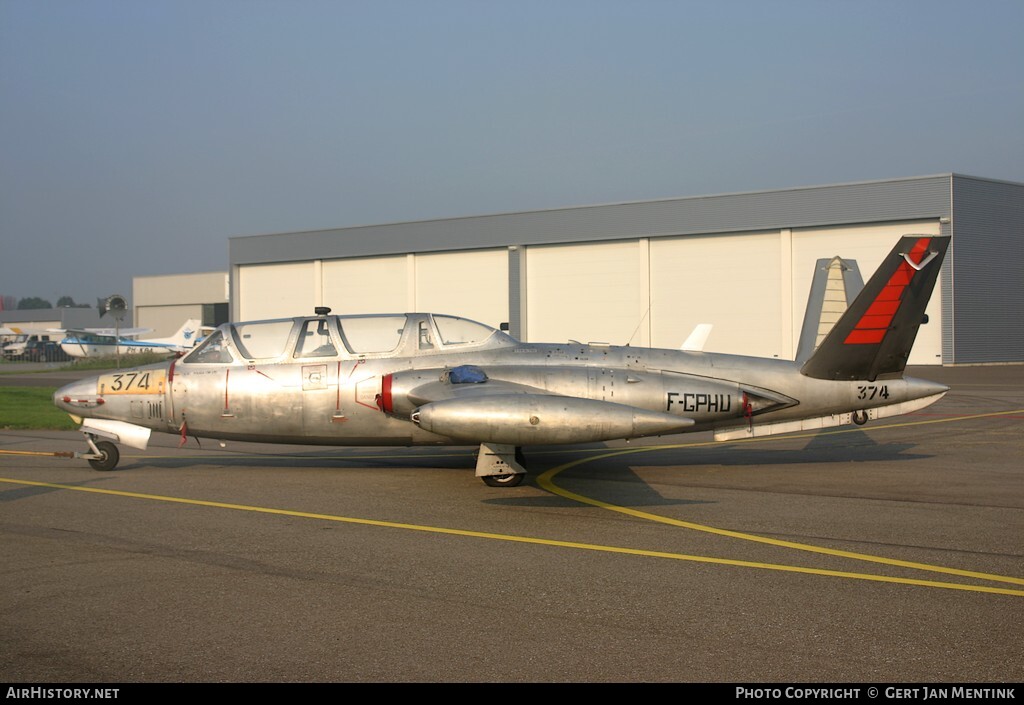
(104, 456)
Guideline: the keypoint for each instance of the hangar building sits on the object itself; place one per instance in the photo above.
(646, 273)
(165, 302)
(39, 319)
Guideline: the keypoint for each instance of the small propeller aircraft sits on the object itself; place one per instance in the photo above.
(108, 342)
(429, 379)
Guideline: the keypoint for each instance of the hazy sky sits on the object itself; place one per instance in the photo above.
(137, 136)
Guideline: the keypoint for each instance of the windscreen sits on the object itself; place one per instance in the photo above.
(461, 331)
(211, 351)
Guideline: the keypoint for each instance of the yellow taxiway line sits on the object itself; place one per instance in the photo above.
(545, 481)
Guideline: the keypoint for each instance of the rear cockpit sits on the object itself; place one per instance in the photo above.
(344, 337)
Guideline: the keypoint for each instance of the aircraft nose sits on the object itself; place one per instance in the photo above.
(77, 396)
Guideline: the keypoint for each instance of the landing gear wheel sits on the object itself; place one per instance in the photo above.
(110, 456)
(510, 480)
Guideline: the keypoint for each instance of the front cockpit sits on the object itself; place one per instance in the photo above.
(344, 337)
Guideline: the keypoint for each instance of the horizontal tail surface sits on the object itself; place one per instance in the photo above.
(874, 337)
(834, 287)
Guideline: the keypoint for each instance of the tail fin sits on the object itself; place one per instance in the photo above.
(834, 287)
(873, 338)
(698, 338)
(187, 334)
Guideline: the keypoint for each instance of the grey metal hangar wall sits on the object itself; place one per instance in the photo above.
(646, 273)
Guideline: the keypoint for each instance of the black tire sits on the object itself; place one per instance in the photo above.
(510, 480)
(110, 456)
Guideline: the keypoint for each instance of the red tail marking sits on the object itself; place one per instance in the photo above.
(917, 254)
(864, 337)
(873, 325)
(882, 308)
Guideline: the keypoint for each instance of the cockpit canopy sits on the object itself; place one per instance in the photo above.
(324, 336)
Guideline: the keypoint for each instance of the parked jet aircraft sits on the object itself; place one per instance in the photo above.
(422, 379)
(108, 342)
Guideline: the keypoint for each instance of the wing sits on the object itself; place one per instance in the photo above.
(106, 332)
(123, 332)
(516, 406)
(21, 330)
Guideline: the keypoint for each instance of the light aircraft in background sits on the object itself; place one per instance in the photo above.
(428, 379)
(109, 342)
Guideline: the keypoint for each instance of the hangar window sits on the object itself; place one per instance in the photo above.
(372, 334)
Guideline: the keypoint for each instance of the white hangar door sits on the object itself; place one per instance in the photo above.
(730, 281)
(366, 285)
(468, 284)
(472, 285)
(276, 290)
(590, 292)
(166, 320)
(867, 244)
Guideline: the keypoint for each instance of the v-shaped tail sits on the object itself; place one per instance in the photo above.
(874, 337)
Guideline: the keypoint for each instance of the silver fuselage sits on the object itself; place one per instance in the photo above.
(539, 394)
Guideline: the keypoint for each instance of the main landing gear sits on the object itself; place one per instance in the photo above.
(510, 480)
(500, 465)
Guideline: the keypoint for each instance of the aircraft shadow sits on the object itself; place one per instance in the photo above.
(611, 478)
(382, 459)
(614, 479)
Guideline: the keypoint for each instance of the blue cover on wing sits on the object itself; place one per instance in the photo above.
(466, 374)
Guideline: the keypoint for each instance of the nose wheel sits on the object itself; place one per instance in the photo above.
(104, 456)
